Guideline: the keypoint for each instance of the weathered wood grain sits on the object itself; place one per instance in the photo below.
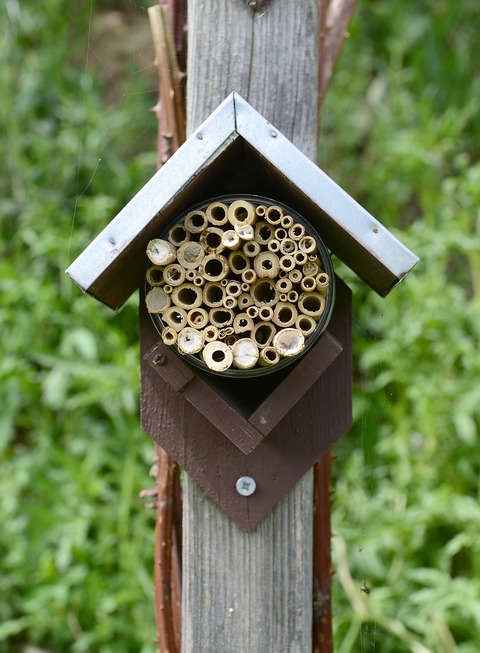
(251, 592)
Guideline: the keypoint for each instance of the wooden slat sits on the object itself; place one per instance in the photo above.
(251, 592)
(283, 399)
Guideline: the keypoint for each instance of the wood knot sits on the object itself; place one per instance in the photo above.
(255, 4)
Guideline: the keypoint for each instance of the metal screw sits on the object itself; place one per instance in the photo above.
(246, 486)
(160, 359)
(200, 137)
(111, 240)
(274, 134)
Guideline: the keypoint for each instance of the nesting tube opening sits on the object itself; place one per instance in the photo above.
(239, 285)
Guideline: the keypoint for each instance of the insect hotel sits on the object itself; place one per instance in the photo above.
(245, 328)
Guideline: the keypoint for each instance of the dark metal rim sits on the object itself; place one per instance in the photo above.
(329, 300)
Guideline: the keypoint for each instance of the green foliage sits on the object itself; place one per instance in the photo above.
(76, 542)
(403, 133)
(400, 132)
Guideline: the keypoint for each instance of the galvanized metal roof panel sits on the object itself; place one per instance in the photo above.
(111, 267)
(349, 227)
(120, 235)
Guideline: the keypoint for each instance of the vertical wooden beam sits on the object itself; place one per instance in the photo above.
(251, 592)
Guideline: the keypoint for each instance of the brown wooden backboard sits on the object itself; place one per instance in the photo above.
(272, 430)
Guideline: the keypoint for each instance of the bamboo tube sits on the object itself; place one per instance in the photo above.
(245, 231)
(263, 334)
(241, 211)
(214, 267)
(190, 255)
(217, 356)
(252, 311)
(245, 354)
(231, 239)
(210, 333)
(283, 297)
(300, 257)
(157, 300)
(266, 313)
(245, 300)
(238, 262)
(260, 210)
(198, 280)
(155, 276)
(190, 274)
(264, 292)
(230, 340)
(242, 322)
(273, 245)
(268, 356)
(221, 316)
(169, 336)
(190, 341)
(213, 294)
(225, 332)
(288, 246)
(308, 245)
(296, 231)
(217, 213)
(284, 315)
(249, 276)
(295, 276)
(187, 296)
(305, 324)
(245, 287)
(287, 263)
(175, 317)
(178, 235)
(233, 288)
(292, 297)
(230, 302)
(266, 265)
(289, 342)
(211, 240)
(161, 252)
(322, 281)
(287, 221)
(280, 233)
(310, 269)
(251, 248)
(197, 318)
(312, 304)
(308, 284)
(263, 232)
(224, 282)
(174, 274)
(274, 214)
(195, 222)
(283, 285)
(167, 288)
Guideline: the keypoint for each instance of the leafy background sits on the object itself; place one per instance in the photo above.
(400, 130)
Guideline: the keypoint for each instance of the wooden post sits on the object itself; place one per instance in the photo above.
(251, 592)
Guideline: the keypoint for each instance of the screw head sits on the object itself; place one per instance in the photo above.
(246, 486)
(160, 359)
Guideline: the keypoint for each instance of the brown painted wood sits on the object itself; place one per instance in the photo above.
(319, 418)
(245, 432)
(322, 559)
(285, 397)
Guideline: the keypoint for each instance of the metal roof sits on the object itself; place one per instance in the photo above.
(236, 149)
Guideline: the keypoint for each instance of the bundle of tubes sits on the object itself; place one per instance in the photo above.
(237, 284)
